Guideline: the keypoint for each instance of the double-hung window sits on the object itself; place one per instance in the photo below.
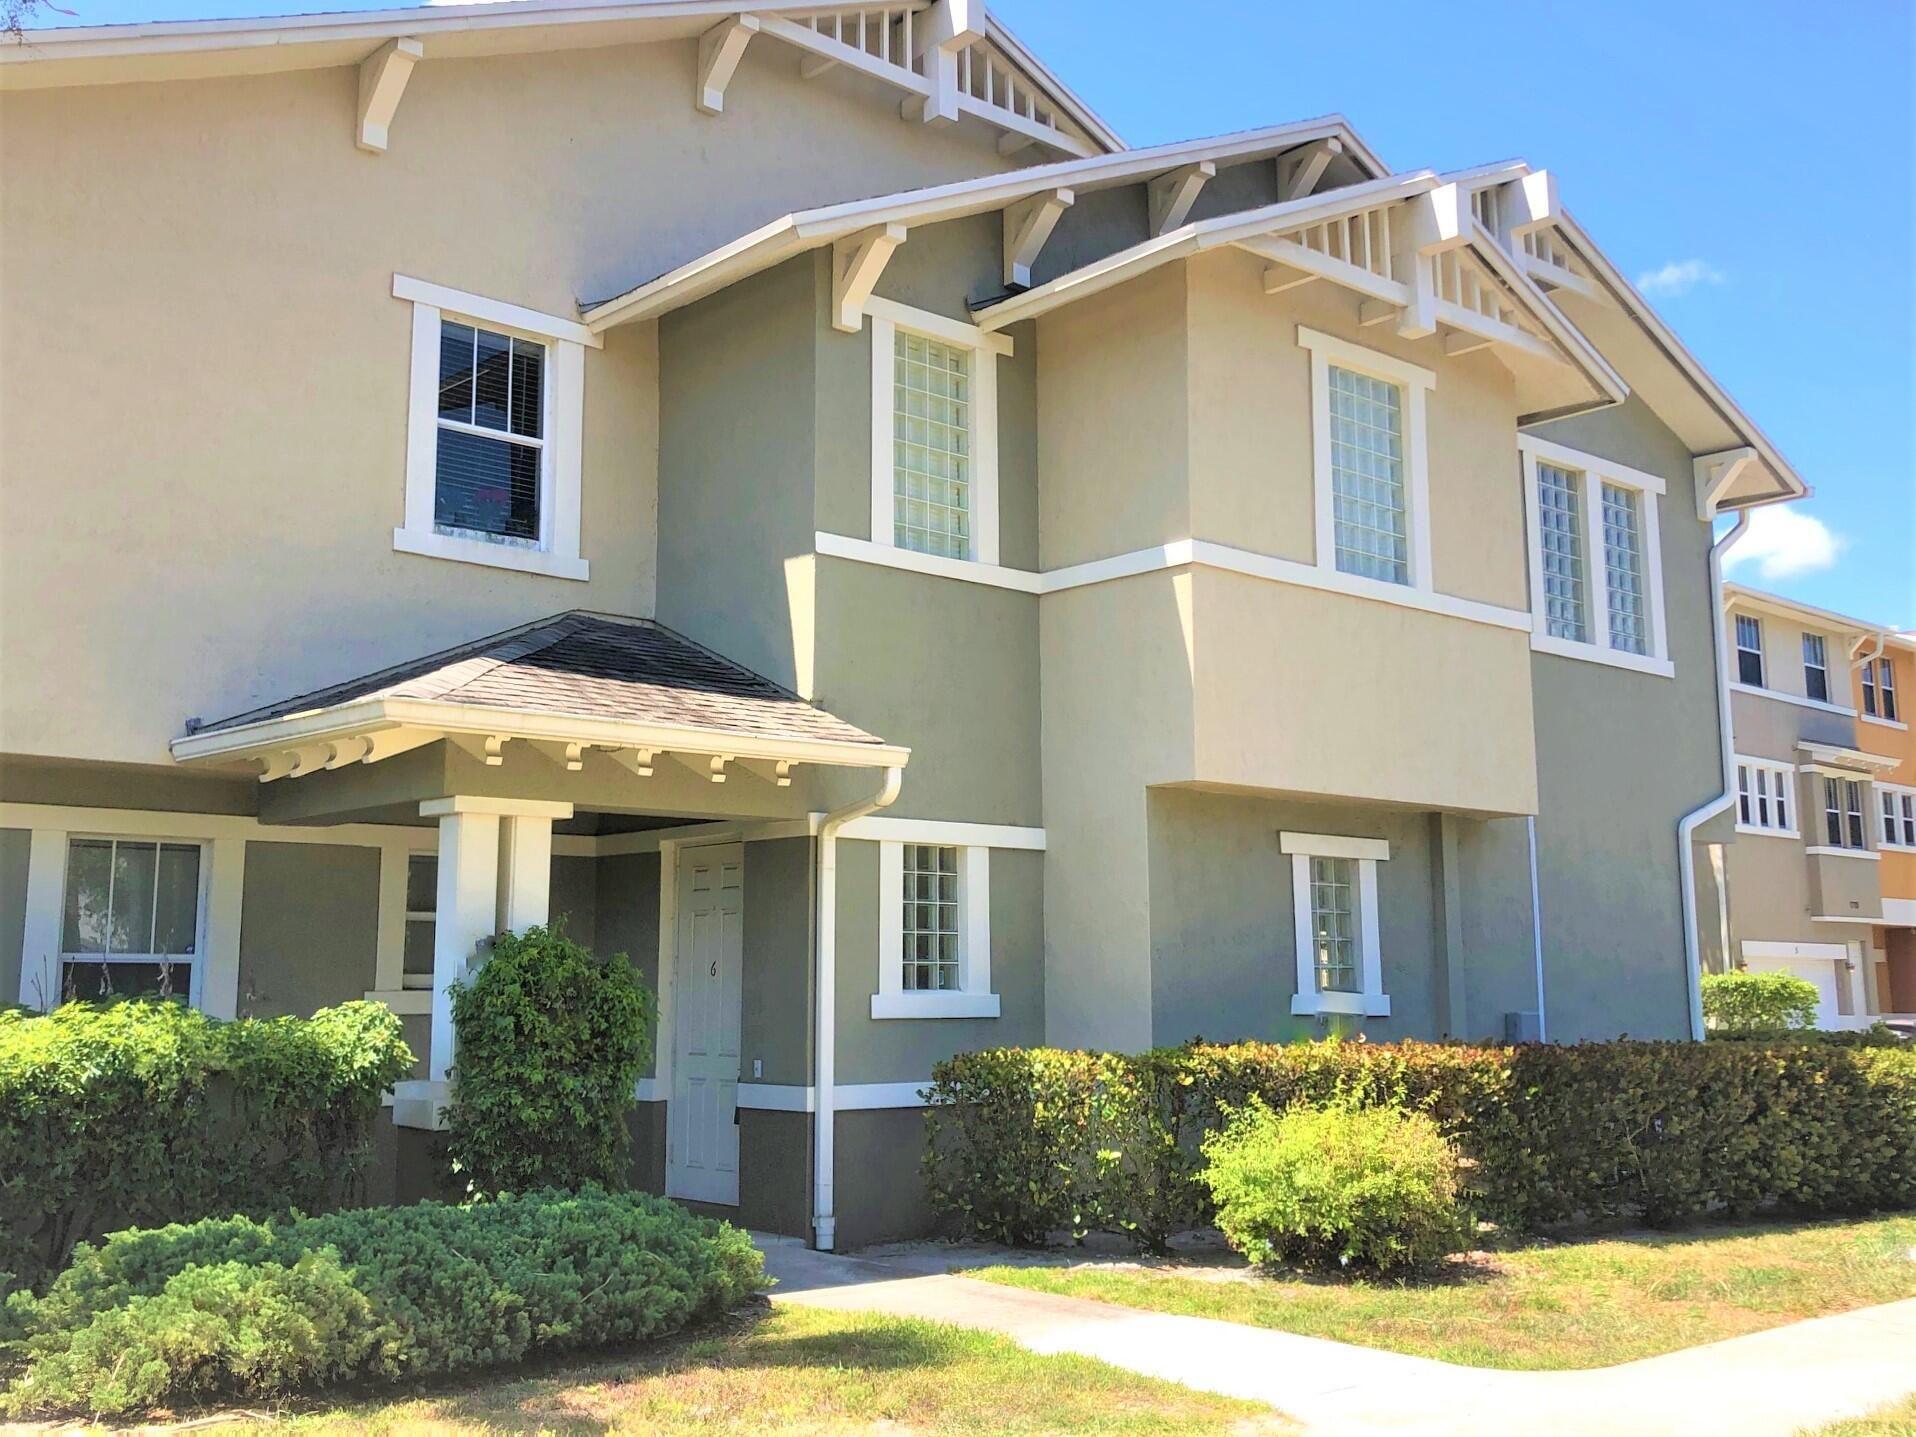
(1596, 574)
(1338, 947)
(1899, 816)
(1749, 651)
(1370, 462)
(422, 919)
(132, 919)
(1816, 670)
(1879, 689)
(934, 434)
(934, 958)
(1765, 797)
(494, 439)
(1843, 813)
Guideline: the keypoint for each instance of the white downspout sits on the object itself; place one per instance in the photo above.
(825, 1065)
(1536, 927)
(1688, 824)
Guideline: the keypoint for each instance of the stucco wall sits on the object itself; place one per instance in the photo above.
(1621, 757)
(776, 1023)
(309, 927)
(259, 487)
(14, 843)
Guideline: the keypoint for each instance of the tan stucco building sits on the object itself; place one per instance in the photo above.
(791, 493)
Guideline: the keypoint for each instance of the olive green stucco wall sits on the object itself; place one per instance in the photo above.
(775, 1021)
(14, 843)
(626, 913)
(309, 927)
(1621, 757)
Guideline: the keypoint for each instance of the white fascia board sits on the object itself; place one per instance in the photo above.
(370, 715)
(1068, 99)
(804, 229)
(1567, 337)
(1198, 235)
(1765, 602)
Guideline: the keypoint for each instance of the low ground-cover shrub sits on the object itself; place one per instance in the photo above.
(236, 1307)
(551, 1043)
(1365, 1187)
(146, 1112)
(1758, 1002)
(1025, 1143)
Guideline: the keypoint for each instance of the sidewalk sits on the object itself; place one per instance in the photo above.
(1766, 1384)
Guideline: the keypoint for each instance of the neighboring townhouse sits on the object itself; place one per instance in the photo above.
(1817, 878)
(1035, 591)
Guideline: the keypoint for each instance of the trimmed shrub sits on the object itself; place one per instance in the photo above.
(1024, 1144)
(146, 1111)
(239, 1308)
(551, 1043)
(1758, 1002)
(1369, 1187)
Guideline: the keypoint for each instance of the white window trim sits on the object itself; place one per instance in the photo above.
(1372, 1001)
(1416, 382)
(556, 555)
(1786, 774)
(1899, 792)
(1803, 642)
(1594, 472)
(886, 318)
(973, 997)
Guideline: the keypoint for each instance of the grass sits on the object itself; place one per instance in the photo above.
(1896, 1420)
(797, 1370)
(1542, 1306)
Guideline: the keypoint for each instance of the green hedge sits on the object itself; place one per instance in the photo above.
(1025, 1143)
(231, 1307)
(147, 1112)
(1758, 1002)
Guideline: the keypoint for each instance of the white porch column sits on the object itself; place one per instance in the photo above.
(495, 873)
(525, 872)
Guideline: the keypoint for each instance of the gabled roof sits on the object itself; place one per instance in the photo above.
(774, 243)
(1741, 596)
(577, 680)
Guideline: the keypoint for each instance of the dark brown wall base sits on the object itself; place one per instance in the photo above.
(879, 1188)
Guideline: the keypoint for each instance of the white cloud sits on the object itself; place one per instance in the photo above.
(1680, 276)
(1783, 542)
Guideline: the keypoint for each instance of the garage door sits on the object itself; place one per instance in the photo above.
(1823, 972)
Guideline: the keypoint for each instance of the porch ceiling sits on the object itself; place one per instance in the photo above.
(564, 685)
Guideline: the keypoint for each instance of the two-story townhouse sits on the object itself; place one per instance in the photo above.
(1229, 588)
(1800, 885)
(1883, 672)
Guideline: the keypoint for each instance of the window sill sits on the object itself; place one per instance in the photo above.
(934, 1005)
(497, 556)
(970, 571)
(1800, 700)
(1754, 832)
(1364, 1005)
(1597, 654)
(1868, 855)
(1883, 722)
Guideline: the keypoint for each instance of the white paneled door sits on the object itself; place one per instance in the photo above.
(701, 1159)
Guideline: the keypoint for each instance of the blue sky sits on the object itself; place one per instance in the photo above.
(1754, 155)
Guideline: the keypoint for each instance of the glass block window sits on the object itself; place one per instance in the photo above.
(1749, 651)
(931, 447)
(491, 440)
(1367, 476)
(1560, 519)
(1816, 672)
(931, 930)
(422, 918)
(1334, 924)
(1623, 569)
(131, 919)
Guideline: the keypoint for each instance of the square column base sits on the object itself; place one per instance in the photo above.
(421, 1103)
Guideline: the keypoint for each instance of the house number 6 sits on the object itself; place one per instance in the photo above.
(715, 967)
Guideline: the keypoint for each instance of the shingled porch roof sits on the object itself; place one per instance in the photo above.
(577, 681)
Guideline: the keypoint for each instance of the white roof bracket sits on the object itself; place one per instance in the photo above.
(1299, 170)
(1716, 474)
(382, 82)
(720, 50)
(857, 263)
(1028, 224)
(1171, 196)
(938, 34)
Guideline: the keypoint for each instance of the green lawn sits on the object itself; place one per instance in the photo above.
(1549, 1305)
(1897, 1420)
(797, 1370)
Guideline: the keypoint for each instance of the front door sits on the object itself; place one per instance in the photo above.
(701, 1146)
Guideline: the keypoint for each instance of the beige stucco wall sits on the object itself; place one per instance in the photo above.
(203, 372)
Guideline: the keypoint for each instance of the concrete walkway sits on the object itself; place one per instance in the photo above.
(1768, 1384)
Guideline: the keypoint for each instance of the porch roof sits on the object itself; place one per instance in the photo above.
(569, 683)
